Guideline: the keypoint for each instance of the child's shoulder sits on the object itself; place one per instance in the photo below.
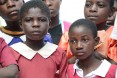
(112, 71)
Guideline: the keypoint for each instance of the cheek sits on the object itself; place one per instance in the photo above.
(19, 5)
(3, 12)
(104, 14)
(72, 48)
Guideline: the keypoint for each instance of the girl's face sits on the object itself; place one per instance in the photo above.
(111, 19)
(35, 24)
(9, 9)
(82, 42)
(97, 10)
(54, 6)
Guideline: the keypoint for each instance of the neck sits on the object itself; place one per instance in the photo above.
(54, 21)
(89, 64)
(34, 44)
(102, 26)
(13, 26)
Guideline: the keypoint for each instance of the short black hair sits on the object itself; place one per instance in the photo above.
(85, 23)
(111, 3)
(34, 4)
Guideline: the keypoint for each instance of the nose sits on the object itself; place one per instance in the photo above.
(35, 23)
(79, 46)
(10, 3)
(93, 8)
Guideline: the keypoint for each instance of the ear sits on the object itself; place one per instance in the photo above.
(112, 11)
(97, 42)
(20, 24)
(50, 23)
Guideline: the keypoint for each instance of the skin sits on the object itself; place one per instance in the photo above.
(6, 72)
(9, 11)
(82, 45)
(98, 11)
(54, 6)
(111, 19)
(35, 25)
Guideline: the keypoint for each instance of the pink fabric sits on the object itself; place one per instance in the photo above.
(66, 25)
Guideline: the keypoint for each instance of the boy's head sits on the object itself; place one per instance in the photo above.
(83, 38)
(98, 10)
(9, 9)
(111, 19)
(34, 19)
(54, 6)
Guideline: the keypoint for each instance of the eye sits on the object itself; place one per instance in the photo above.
(85, 40)
(15, 0)
(43, 19)
(28, 19)
(88, 4)
(101, 4)
(73, 41)
(2, 2)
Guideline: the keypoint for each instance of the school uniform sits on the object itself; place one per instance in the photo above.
(49, 62)
(6, 57)
(105, 70)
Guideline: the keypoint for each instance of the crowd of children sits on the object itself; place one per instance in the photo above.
(35, 43)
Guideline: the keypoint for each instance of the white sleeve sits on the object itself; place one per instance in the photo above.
(116, 74)
(114, 31)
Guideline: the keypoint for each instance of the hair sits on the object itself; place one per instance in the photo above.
(111, 3)
(34, 4)
(85, 23)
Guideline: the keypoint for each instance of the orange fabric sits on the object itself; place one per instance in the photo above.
(65, 45)
(113, 50)
(104, 38)
(103, 48)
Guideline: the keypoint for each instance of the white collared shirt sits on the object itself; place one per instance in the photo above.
(100, 71)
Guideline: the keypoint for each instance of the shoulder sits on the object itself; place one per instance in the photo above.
(60, 51)
(112, 71)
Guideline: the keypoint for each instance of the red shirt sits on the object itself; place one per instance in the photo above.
(6, 57)
(40, 67)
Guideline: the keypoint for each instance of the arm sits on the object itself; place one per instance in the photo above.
(10, 71)
(9, 66)
(63, 66)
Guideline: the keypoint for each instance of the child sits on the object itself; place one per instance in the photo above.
(111, 19)
(57, 27)
(8, 65)
(12, 33)
(9, 9)
(37, 59)
(98, 12)
(82, 44)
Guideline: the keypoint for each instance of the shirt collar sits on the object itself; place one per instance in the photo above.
(100, 71)
(9, 38)
(28, 53)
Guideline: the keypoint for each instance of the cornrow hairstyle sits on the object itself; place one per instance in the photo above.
(34, 4)
(85, 23)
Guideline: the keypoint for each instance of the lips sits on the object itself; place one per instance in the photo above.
(14, 12)
(36, 32)
(79, 53)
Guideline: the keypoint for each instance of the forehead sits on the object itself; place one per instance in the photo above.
(34, 11)
(106, 1)
(81, 30)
